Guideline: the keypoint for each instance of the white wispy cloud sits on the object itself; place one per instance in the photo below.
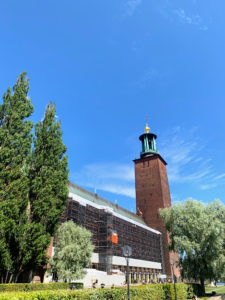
(168, 10)
(193, 19)
(183, 153)
(119, 189)
(220, 176)
(130, 6)
(208, 186)
(149, 76)
(111, 177)
(110, 171)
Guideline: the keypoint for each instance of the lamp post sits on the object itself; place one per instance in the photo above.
(127, 252)
(175, 290)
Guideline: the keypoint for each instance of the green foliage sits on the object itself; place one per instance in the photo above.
(197, 233)
(15, 145)
(194, 289)
(33, 184)
(73, 251)
(181, 289)
(150, 292)
(16, 287)
(48, 184)
(76, 285)
(160, 291)
(49, 173)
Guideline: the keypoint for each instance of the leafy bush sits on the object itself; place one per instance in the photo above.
(10, 287)
(144, 292)
(76, 285)
(194, 289)
(181, 291)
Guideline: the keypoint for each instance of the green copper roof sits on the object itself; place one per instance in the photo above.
(77, 190)
(148, 141)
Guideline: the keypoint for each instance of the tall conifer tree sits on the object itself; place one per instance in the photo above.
(48, 175)
(15, 148)
(33, 184)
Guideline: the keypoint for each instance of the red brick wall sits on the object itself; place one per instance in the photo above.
(152, 193)
(49, 251)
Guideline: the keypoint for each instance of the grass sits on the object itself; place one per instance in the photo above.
(219, 289)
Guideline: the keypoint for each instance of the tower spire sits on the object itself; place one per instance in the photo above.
(147, 129)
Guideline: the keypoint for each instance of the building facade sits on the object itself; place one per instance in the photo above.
(104, 218)
(144, 231)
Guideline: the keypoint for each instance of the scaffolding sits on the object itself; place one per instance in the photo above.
(146, 245)
(105, 246)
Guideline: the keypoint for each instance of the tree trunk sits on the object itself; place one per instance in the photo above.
(6, 277)
(202, 286)
(30, 276)
(10, 278)
(16, 276)
(25, 276)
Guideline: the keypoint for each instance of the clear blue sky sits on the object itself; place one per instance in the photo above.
(107, 64)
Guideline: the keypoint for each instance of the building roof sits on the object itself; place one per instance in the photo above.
(97, 200)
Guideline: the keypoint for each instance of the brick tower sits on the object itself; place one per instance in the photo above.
(152, 191)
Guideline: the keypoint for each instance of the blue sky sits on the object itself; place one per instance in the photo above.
(108, 65)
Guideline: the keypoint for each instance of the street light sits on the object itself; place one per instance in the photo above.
(175, 290)
(127, 252)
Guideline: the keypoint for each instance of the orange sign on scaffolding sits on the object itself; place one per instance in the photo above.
(113, 237)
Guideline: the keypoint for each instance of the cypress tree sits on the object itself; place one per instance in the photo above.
(48, 179)
(15, 149)
(33, 184)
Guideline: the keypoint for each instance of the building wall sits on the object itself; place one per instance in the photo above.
(145, 242)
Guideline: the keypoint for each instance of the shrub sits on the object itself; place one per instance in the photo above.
(181, 291)
(46, 295)
(76, 285)
(144, 292)
(194, 289)
(10, 287)
(151, 292)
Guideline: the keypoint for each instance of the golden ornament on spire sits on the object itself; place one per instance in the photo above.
(147, 129)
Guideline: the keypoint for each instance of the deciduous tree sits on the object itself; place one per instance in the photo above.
(197, 233)
(73, 251)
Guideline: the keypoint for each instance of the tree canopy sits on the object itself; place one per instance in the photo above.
(49, 173)
(73, 251)
(33, 183)
(197, 233)
(15, 145)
